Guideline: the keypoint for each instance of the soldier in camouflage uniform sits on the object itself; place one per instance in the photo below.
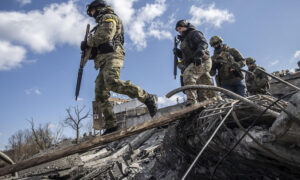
(227, 61)
(258, 82)
(195, 62)
(298, 69)
(107, 42)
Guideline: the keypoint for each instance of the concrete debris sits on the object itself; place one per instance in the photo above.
(249, 145)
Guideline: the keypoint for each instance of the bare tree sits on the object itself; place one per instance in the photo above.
(42, 135)
(74, 119)
(58, 133)
(22, 145)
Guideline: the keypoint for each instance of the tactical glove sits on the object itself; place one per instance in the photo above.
(236, 65)
(177, 52)
(83, 45)
(250, 77)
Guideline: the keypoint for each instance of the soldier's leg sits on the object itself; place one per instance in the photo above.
(101, 95)
(111, 74)
(205, 94)
(240, 88)
(113, 82)
(190, 77)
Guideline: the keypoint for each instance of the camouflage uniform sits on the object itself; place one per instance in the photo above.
(194, 46)
(258, 82)
(298, 70)
(228, 77)
(110, 29)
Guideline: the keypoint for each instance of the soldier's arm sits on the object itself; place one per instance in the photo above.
(105, 31)
(237, 57)
(213, 70)
(261, 78)
(200, 44)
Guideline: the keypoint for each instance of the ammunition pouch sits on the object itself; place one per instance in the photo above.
(107, 47)
(197, 61)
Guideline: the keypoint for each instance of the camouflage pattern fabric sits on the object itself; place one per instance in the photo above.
(194, 46)
(225, 73)
(258, 82)
(192, 76)
(110, 64)
(206, 79)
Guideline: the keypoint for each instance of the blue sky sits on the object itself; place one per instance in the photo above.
(39, 48)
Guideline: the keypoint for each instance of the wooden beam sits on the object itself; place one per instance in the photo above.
(97, 141)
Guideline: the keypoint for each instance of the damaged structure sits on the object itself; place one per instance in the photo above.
(235, 138)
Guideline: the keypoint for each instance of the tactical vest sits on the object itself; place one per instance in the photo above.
(225, 74)
(187, 52)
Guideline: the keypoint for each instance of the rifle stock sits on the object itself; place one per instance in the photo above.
(84, 57)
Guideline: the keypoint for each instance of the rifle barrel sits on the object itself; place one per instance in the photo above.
(280, 80)
(80, 72)
(81, 65)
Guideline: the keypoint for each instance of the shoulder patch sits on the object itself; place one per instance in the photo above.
(111, 20)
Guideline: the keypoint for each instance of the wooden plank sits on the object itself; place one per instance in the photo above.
(97, 141)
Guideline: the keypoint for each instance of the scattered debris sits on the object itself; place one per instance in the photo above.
(258, 140)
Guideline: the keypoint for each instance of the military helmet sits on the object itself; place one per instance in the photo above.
(182, 23)
(214, 40)
(95, 4)
(250, 60)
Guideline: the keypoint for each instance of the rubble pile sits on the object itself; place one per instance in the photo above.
(269, 150)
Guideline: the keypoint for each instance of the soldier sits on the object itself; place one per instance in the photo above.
(298, 70)
(107, 40)
(228, 62)
(258, 82)
(195, 62)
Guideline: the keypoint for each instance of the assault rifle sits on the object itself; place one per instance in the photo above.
(280, 80)
(175, 57)
(231, 64)
(84, 57)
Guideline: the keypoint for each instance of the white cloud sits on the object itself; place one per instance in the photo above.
(43, 30)
(11, 56)
(158, 30)
(297, 54)
(52, 126)
(274, 63)
(160, 34)
(33, 91)
(80, 99)
(24, 2)
(210, 15)
(138, 21)
(0, 134)
(124, 9)
(163, 101)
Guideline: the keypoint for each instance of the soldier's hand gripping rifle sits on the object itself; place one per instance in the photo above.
(175, 57)
(234, 66)
(84, 57)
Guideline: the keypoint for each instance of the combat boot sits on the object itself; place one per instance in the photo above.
(151, 103)
(110, 130)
